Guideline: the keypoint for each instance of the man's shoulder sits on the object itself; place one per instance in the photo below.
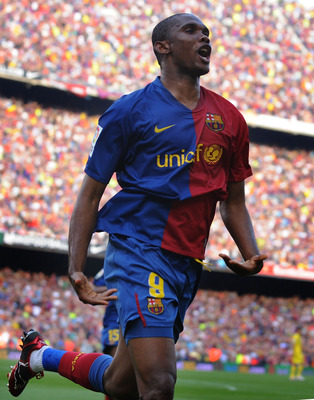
(138, 102)
(223, 104)
(217, 97)
(129, 99)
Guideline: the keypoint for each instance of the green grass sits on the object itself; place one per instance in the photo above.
(191, 385)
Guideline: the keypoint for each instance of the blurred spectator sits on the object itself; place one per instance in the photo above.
(262, 59)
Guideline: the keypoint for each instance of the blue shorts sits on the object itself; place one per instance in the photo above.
(110, 332)
(155, 287)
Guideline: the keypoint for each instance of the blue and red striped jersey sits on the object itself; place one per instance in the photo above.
(172, 163)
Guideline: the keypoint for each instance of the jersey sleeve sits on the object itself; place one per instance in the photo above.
(240, 168)
(108, 145)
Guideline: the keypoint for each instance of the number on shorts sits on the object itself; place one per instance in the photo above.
(113, 335)
(156, 284)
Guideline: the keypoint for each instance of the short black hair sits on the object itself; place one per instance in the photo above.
(162, 31)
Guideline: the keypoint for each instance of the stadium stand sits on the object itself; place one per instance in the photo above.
(257, 328)
(262, 59)
(262, 62)
(43, 152)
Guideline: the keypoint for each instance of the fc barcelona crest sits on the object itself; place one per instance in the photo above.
(214, 122)
(155, 306)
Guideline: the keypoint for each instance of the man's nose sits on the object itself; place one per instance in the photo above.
(204, 38)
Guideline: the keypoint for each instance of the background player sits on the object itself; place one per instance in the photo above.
(110, 331)
(297, 359)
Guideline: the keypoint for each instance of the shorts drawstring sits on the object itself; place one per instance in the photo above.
(205, 264)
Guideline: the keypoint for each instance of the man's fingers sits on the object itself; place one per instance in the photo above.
(88, 294)
(260, 257)
(224, 256)
(94, 298)
(111, 291)
(78, 282)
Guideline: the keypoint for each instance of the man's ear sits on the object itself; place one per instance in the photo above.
(162, 47)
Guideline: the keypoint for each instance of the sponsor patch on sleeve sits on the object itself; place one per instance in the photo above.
(95, 138)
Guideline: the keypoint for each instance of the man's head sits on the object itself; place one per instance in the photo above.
(163, 30)
(184, 38)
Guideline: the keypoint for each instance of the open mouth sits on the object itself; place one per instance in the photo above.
(204, 53)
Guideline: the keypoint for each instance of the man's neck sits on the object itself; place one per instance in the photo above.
(185, 90)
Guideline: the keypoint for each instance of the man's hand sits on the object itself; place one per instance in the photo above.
(249, 267)
(88, 294)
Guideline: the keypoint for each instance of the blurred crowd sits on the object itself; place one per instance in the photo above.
(280, 198)
(48, 304)
(42, 156)
(262, 56)
(247, 329)
(262, 61)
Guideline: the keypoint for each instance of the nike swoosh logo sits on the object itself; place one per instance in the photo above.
(158, 130)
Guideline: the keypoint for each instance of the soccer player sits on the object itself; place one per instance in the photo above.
(297, 360)
(178, 149)
(110, 331)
